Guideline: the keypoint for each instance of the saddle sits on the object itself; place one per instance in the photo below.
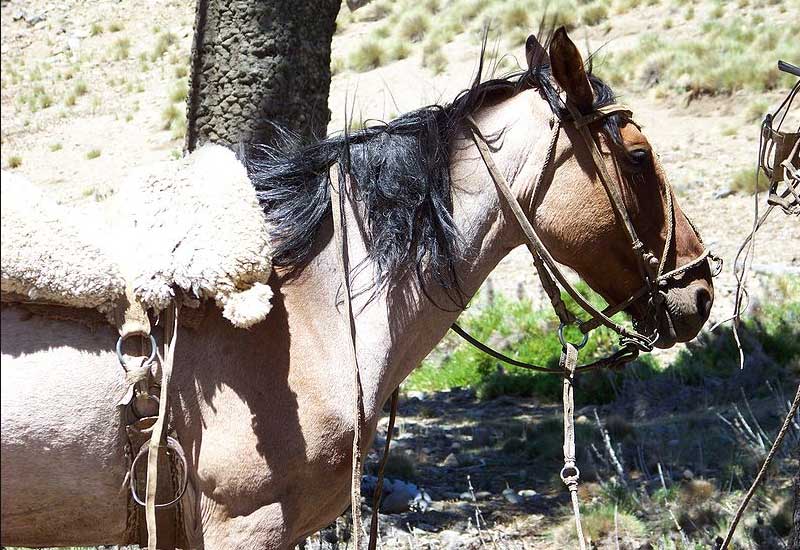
(193, 224)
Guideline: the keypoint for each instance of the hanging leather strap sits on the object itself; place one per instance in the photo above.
(156, 438)
(376, 498)
(534, 243)
(337, 207)
(570, 474)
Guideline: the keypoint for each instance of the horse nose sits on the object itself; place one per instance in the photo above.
(703, 301)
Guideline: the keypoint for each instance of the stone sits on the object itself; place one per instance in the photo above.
(688, 474)
(511, 496)
(398, 501)
(528, 493)
(451, 461)
(481, 437)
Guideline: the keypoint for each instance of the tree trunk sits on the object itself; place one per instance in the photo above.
(256, 63)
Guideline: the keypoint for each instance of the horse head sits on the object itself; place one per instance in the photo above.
(582, 227)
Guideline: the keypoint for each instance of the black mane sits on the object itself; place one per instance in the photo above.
(401, 174)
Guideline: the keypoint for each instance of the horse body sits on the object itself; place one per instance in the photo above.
(266, 415)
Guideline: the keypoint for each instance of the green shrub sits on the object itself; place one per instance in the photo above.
(55, 147)
(95, 29)
(530, 335)
(14, 161)
(115, 26)
(93, 154)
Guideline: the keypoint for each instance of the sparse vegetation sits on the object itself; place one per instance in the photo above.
(93, 154)
(95, 29)
(594, 13)
(55, 147)
(163, 43)
(369, 55)
(121, 49)
(115, 26)
(14, 161)
(414, 25)
(745, 181)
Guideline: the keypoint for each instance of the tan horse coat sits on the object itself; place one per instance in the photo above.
(265, 414)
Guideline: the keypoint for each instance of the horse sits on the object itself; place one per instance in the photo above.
(265, 414)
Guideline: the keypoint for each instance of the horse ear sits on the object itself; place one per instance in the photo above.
(567, 67)
(535, 53)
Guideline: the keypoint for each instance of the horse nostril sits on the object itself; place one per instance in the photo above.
(703, 301)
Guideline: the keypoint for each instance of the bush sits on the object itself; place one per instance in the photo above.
(414, 25)
(121, 49)
(594, 13)
(14, 161)
(165, 40)
(530, 335)
(369, 55)
(745, 181)
(93, 154)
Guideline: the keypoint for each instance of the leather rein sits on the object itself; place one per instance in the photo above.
(651, 267)
(651, 270)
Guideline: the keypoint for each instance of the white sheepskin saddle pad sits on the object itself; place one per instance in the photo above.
(193, 224)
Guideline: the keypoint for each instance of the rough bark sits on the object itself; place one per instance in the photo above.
(256, 63)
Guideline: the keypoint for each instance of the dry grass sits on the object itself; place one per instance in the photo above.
(369, 55)
(744, 181)
(14, 161)
(414, 25)
(594, 13)
(121, 49)
(163, 43)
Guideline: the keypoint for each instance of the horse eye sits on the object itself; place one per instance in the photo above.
(639, 156)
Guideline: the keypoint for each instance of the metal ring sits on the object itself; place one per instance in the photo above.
(568, 469)
(564, 341)
(172, 445)
(153, 349)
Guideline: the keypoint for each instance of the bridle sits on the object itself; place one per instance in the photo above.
(651, 269)
(651, 266)
(655, 281)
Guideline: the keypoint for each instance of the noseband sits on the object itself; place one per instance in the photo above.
(651, 267)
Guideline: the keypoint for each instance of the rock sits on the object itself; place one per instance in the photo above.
(451, 461)
(483, 495)
(582, 419)
(528, 493)
(398, 501)
(422, 501)
(481, 437)
(688, 474)
(511, 496)
(722, 193)
(455, 445)
(33, 20)
(419, 395)
(467, 496)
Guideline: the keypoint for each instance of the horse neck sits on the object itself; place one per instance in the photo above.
(397, 328)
